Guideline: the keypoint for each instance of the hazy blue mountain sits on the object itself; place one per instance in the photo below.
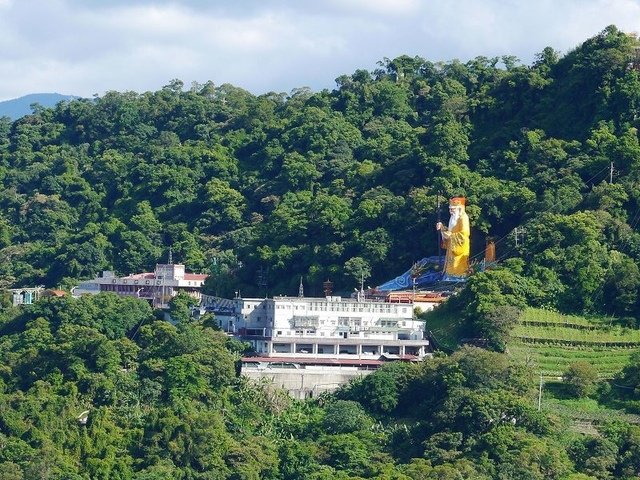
(18, 107)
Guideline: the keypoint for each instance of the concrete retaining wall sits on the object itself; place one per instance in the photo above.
(309, 381)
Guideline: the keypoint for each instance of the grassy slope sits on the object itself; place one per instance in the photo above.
(447, 328)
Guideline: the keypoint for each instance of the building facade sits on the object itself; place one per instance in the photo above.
(157, 287)
(30, 295)
(311, 329)
(26, 295)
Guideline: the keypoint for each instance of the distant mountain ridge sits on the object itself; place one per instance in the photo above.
(19, 107)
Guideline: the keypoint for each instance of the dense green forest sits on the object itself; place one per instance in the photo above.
(260, 190)
(97, 388)
(163, 402)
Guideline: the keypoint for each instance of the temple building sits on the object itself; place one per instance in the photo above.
(308, 345)
(323, 330)
(157, 287)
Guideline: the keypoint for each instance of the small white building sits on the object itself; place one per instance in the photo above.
(313, 329)
(158, 287)
(26, 295)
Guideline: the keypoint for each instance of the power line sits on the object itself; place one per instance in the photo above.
(607, 169)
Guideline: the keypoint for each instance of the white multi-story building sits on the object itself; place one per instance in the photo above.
(323, 328)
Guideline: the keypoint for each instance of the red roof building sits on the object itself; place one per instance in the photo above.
(158, 287)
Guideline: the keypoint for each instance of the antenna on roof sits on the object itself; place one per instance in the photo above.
(170, 256)
(301, 289)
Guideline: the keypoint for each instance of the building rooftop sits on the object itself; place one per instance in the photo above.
(151, 276)
(55, 293)
(140, 276)
(334, 298)
(196, 276)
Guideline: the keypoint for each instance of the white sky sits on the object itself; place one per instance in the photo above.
(84, 47)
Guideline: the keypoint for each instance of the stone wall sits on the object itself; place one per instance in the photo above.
(306, 381)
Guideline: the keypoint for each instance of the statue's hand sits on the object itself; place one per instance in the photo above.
(439, 226)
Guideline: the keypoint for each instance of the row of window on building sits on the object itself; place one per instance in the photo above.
(344, 322)
(345, 307)
(314, 333)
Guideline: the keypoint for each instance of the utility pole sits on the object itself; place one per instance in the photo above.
(540, 393)
(611, 174)
(439, 233)
(519, 231)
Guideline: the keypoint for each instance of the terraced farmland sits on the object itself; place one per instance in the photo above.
(545, 316)
(551, 341)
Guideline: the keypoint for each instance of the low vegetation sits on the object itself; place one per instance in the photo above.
(554, 359)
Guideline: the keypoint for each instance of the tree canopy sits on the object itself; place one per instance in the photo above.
(342, 184)
(338, 184)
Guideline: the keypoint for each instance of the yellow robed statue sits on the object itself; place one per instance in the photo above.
(456, 239)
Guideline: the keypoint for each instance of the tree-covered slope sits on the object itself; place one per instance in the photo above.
(97, 388)
(259, 190)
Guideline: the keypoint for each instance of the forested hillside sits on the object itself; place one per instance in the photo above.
(96, 388)
(327, 185)
(260, 190)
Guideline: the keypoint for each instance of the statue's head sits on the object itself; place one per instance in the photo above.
(456, 205)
